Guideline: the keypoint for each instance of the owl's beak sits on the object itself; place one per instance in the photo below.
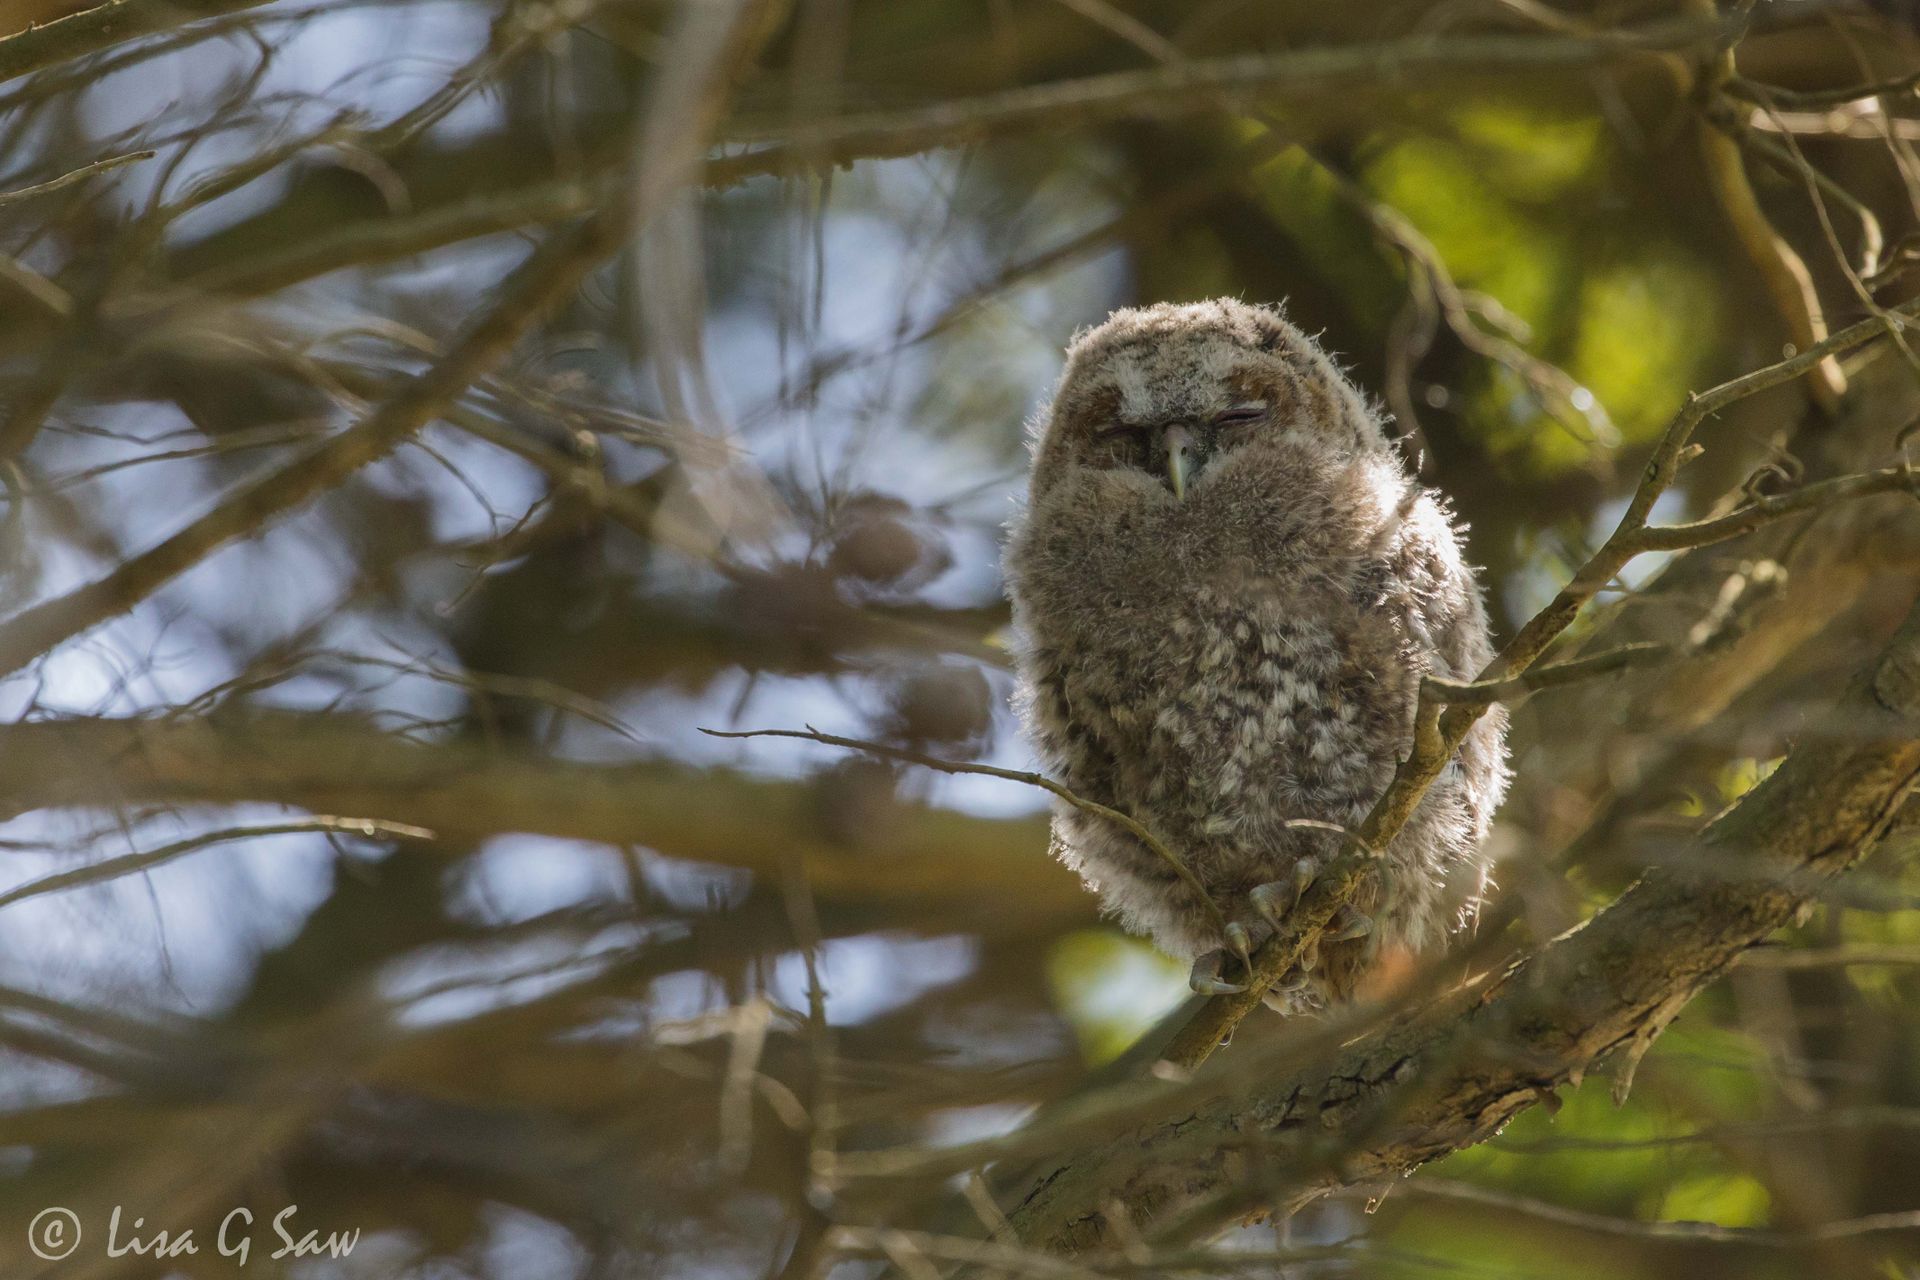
(1179, 444)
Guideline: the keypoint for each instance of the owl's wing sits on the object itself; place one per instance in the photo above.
(1421, 574)
(1074, 735)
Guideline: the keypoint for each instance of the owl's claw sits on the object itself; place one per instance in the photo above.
(1303, 873)
(1273, 901)
(1276, 899)
(1206, 979)
(1245, 941)
(1347, 923)
(1280, 996)
(1242, 945)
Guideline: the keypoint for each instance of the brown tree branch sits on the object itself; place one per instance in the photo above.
(1041, 781)
(1761, 511)
(1628, 1228)
(1450, 1078)
(291, 240)
(1734, 615)
(1202, 84)
(147, 859)
(915, 860)
(1439, 729)
(102, 27)
(1487, 692)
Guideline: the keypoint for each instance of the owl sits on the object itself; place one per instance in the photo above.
(1226, 589)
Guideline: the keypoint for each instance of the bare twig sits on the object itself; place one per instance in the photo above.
(1487, 692)
(1747, 518)
(128, 864)
(1131, 825)
(1710, 1232)
(1200, 83)
(1820, 99)
(1780, 268)
(92, 30)
(1843, 956)
(73, 176)
(781, 147)
(539, 284)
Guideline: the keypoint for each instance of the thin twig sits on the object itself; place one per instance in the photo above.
(1711, 1232)
(1845, 955)
(71, 177)
(102, 27)
(1481, 693)
(1040, 780)
(540, 283)
(1781, 269)
(146, 860)
(1745, 519)
(1820, 99)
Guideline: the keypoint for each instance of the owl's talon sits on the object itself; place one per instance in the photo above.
(1273, 900)
(1280, 997)
(1346, 925)
(1242, 946)
(1245, 942)
(1303, 873)
(1206, 980)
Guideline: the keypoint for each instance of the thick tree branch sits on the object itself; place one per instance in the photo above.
(915, 859)
(303, 235)
(1203, 84)
(1439, 729)
(1450, 1078)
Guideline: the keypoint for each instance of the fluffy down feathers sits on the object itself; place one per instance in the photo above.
(1247, 651)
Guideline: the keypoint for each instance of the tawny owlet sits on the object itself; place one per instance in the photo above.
(1227, 588)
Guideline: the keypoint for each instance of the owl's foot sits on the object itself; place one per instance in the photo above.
(1285, 996)
(1205, 978)
(1243, 942)
(1243, 939)
(1276, 900)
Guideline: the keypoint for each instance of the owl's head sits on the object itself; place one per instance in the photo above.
(1173, 391)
